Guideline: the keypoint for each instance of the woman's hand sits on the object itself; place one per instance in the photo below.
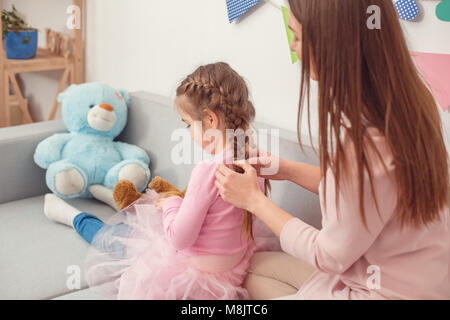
(241, 190)
(267, 165)
(274, 168)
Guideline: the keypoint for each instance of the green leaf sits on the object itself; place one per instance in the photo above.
(12, 22)
(26, 40)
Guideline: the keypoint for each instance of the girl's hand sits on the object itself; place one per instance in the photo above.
(241, 190)
(160, 203)
(267, 165)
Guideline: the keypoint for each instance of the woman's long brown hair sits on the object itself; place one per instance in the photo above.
(221, 89)
(369, 74)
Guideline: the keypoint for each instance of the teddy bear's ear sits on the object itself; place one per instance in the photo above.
(64, 94)
(126, 96)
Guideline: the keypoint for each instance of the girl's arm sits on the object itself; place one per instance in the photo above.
(183, 218)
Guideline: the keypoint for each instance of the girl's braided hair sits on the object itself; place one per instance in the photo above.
(219, 88)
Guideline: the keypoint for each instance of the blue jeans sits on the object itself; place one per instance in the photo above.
(88, 226)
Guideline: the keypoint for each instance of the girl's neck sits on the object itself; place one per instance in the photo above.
(220, 148)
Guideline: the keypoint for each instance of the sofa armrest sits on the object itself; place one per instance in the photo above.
(20, 177)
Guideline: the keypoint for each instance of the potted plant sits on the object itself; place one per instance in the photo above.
(20, 39)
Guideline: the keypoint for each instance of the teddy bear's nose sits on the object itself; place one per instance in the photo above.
(106, 106)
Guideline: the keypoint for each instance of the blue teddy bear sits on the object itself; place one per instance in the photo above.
(86, 160)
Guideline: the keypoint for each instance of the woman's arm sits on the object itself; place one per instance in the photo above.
(304, 175)
(242, 191)
(270, 214)
(343, 239)
(274, 168)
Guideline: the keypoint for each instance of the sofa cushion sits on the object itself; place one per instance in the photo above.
(85, 294)
(36, 252)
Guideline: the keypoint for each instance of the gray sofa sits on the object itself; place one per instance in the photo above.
(36, 254)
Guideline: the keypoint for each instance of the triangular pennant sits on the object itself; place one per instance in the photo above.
(290, 34)
(236, 8)
(435, 68)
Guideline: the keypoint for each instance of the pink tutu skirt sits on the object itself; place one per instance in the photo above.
(137, 262)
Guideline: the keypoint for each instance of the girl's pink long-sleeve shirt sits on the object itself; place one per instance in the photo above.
(382, 262)
(203, 223)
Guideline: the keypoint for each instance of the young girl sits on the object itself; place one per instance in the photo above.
(193, 248)
(384, 176)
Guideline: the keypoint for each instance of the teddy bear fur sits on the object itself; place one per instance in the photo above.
(125, 192)
(95, 114)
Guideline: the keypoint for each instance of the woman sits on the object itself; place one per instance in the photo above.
(384, 178)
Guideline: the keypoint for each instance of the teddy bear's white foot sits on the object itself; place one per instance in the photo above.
(69, 182)
(103, 194)
(135, 174)
(58, 210)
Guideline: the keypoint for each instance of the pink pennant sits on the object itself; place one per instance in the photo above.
(435, 68)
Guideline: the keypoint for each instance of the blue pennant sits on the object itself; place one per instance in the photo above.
(407, 9)
(236, 8)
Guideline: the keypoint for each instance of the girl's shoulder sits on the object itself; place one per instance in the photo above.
(205, 169)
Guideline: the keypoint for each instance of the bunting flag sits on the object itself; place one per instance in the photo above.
(443, 10)
(290, 34)
(407, 9)
(435, 69)
(236, 8)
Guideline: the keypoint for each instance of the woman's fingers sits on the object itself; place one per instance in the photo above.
(235, 188)
(248, 168)
(219, 186)
(224, 170)
(220, 177)
(260, 161)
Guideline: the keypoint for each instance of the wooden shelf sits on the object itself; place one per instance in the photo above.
(43, 61)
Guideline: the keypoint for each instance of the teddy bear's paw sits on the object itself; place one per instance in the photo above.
(160, 185)
(156, 184)
(125, 193)
(169, 194)
(69, 182)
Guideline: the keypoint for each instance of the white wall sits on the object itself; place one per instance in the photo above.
(429, 34)
(152, 44)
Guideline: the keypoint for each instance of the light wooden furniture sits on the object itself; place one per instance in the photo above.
(56, 56)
